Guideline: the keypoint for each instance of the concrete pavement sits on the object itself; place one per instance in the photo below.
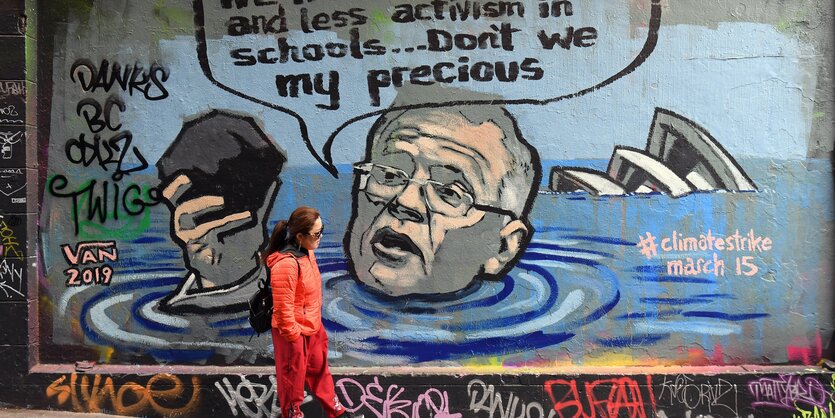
(38, 413)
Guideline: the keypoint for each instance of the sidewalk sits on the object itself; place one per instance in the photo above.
(38, 413)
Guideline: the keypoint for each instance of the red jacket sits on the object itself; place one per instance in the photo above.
(297, 303)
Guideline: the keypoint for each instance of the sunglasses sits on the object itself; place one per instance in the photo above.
(316, 235)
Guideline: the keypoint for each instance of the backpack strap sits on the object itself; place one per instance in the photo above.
(298, 266)
(298, 279)
(267, 268)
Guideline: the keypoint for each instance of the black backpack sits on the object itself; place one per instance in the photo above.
(261, 304)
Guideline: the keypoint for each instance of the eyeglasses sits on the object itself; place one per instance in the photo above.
(453, 200)
(317, 235)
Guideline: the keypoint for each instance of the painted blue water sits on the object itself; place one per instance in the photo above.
(582, 286)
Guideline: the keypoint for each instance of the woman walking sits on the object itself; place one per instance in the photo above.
(299, 340)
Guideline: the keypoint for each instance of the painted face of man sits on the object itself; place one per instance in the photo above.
(427, 216)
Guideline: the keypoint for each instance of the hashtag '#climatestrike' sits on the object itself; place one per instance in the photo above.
(709, 242)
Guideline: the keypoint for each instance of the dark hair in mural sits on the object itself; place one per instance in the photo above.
(301, 220)
(226, 155)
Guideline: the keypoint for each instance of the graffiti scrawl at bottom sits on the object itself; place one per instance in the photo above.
(741, 395)
(163, 394)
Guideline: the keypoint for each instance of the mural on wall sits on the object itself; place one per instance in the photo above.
(522, 183)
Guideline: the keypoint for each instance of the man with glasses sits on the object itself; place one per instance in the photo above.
(440, 200)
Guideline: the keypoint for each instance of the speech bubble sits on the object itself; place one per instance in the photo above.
(332, 64)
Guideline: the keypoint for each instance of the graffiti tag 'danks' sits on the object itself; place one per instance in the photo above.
(92, 256)
(129, 78)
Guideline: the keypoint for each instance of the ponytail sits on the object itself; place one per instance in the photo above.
(277, 240)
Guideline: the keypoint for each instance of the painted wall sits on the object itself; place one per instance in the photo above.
(503, 184)
(467, 234)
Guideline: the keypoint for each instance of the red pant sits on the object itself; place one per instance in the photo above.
(304, 360)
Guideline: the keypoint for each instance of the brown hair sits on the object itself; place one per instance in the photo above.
(301, 220)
